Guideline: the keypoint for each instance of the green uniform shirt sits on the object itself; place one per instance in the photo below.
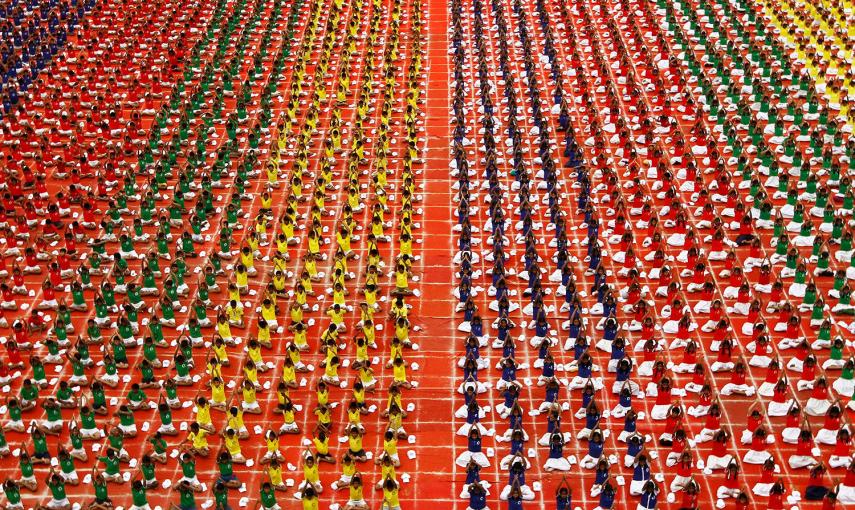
(26, 467)
(100, 491)
(112, 464)
(268, 499)
(57, 490)
(188, 500)
(225, 468)
(138, 496)
(188, 469)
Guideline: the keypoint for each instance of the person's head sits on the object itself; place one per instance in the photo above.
(389, 484)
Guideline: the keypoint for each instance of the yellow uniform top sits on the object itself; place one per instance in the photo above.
(402, 332)
(337, 317)
(391, 497)
(272, 444)
(296, 314)
(199, 440)
(395, 399)
(322, 447)
(220, 352)
(264, 334)
(235, 314)
(233, 445)
(268, 313)
(354, 416)
(391, 446)
(339, 299)
(301, 297)
(253, 243)
(236, 421)
(323, 417)
(254, 354)
(288, 416)
(362, 351)
(289, 374)
(399, 372)
(310, 472)
(371, 297)
(401, 279)
(343, 241)
(249, 395)
(218, 393)
(359, 396)
(400, 311)
(306, 283)
(287, 226)
(275, 474)
(272, 176)
(355, 443)
(203, 415)
(234, 295)
(251, 374)
(348, 469)
(370, 336)
(395, 421)
(331, 370)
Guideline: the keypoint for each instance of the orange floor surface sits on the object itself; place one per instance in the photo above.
(148, 48)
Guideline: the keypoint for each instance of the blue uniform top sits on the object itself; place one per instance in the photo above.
(641, 473)
(629, 424)
(601, 476)
(509, 372)
(623, 373)
(649, 499)
(585, 369)
(477, 500)
(516, 446)
(473, 474)
(473, 415)
(607, 499)
(542, 350)
(610, 331)
(591, 420)
(477, 329)
(510, 398)
(595, 449)
(586, 399)
(474, 445)
(508, 349)
(556, 450)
